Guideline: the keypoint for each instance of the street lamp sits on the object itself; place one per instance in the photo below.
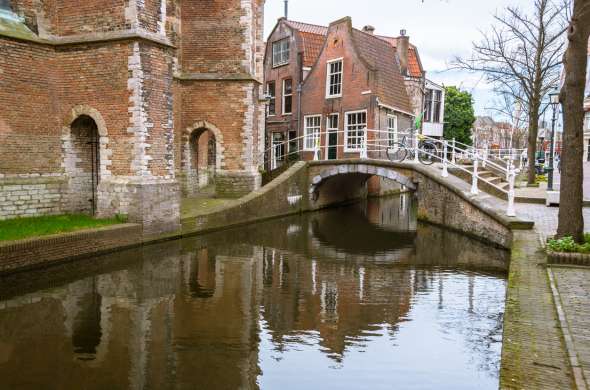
(554, 101)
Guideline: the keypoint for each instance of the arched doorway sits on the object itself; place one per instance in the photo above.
(202, 160)
(83, 165)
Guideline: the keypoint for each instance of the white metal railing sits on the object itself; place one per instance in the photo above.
(450, 153)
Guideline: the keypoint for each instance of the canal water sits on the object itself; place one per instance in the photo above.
(361, 297)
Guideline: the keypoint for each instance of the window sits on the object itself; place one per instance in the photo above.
(433, 105)
(333, 122)
(436, 104)
(280, 52)
(271, 92)
(287, 96)
(428, 106)
(392, 129)
(312, 131)
(356, 123)
(334, 79)
(587, 121)
(5, 5)
(278, 143)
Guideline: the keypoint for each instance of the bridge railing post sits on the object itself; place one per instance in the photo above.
(485, 157)
(474, 188)
(445, 170)
(364, 152)
(316, 150)
(510, 211)
(273, 160)
(454, 152)
(521, 162)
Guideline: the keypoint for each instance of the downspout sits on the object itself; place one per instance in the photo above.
(299, 93)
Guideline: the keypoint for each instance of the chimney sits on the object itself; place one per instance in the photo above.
(369, 29)
(403, 45)
(286, 9)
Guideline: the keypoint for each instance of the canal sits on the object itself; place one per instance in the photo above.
(360, 297)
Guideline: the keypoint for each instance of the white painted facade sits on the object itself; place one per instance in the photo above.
(433, 124)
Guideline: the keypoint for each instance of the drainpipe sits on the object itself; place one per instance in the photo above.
(299, 92)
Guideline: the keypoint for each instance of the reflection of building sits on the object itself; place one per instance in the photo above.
(208, 311)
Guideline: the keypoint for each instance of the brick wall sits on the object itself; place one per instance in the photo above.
(24, 254)
(126, 86)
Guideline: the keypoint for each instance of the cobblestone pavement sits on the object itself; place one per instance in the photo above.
(545, 218)
(574, 287)
(533, 355)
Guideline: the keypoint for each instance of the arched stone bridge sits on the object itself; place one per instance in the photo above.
(313, 185)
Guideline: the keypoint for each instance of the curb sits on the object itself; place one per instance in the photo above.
(578, 373)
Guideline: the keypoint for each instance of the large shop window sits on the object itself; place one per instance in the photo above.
(356, 124)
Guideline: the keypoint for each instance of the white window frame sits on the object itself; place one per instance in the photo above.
(587, 121)
(308, 136)
(332, 129)
(393, 129)
(284, 60)
(284, 95)
(347, 149)
(272, 98)
(329, 75)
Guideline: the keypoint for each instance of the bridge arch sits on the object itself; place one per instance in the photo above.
(360, 170)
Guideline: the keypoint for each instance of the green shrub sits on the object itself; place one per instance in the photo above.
(567, 244)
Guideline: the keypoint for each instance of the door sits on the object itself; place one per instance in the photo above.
(332, 143)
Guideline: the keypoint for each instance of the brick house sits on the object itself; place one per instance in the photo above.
(380, 80)
(117, 107)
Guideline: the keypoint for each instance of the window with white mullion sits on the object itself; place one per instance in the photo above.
(287, 96)
(312, 131)
(280, 52)
(334, 79)
(392, 129)
(356, 125)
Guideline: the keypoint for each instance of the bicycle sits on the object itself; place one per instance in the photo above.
(427, 151)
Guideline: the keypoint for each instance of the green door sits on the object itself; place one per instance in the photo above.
(332, 145)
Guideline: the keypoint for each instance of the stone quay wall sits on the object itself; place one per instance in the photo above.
(44, 251)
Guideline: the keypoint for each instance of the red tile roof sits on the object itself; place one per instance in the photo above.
(380, 55)
(313, 40)
(414, 65)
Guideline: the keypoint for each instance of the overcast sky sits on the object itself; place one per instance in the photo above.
(441, 29)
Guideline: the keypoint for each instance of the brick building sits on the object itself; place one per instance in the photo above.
(117, 107)
(380, 84)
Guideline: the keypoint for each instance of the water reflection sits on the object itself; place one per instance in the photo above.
(359, 297)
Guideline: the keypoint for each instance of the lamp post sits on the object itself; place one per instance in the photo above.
(554, 101)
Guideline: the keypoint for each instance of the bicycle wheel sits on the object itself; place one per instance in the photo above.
(397, 152)
(427, 153)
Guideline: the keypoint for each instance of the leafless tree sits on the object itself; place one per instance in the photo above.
(521, 56)
(571, 220)
(509, 104)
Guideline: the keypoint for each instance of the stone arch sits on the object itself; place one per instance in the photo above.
(219, 149)
(88, 111)
(202, 155)
(357, 169)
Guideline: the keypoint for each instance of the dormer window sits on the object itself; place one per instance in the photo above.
(334, 79)
(433, 105)
(280, 52)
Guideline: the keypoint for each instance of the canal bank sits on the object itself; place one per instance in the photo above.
(304, 187)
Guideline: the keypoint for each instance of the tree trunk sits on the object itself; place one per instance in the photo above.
(571, 220)
(533, 133)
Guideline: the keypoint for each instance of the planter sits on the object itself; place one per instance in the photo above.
(568, 258)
